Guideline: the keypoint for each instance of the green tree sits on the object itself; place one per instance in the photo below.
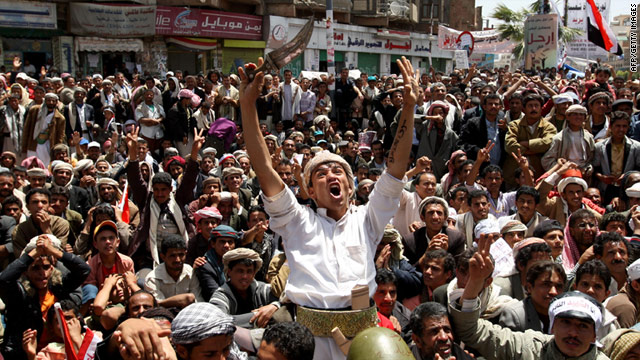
(513, 26)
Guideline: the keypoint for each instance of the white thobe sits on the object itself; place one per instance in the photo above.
(329, 258)
(290, 100)
(42, 150)
(287, 102)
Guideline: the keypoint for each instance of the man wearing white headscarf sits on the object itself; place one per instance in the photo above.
(109, 192)
(43, 129)
(573, 142)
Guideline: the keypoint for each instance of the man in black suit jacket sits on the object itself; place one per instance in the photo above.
(80, 116)
(474, 135)
(480, 90)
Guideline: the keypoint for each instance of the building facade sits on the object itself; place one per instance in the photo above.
(86, 37)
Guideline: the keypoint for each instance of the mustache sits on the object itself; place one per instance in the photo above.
(572, 338)
(439, 343)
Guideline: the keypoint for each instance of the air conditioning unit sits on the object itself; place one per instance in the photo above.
(398, 8)
(414, 13)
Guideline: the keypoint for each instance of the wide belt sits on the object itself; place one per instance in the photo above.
(350, 322)
(43, 137)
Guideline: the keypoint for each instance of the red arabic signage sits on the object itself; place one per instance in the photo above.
(206, 23)
(368, 41)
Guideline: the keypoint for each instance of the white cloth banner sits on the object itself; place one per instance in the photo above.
(485, 42)
(112, 20)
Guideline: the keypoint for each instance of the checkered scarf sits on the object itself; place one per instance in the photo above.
(200, 321)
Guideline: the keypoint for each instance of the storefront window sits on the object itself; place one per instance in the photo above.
(34, 53)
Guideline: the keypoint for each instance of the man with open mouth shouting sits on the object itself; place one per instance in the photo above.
(329, 251)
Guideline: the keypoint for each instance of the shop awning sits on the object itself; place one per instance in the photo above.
(107, 45)
(193, 43)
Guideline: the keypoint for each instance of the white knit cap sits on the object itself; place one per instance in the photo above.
(322, 158)
(633, 191)
(486, 226)
(633, 270)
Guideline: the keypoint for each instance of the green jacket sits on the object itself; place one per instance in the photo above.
(497, 343)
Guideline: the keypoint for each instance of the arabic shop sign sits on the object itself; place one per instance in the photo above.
(180, 21)
(540, 41)
(360, 43)
(27, 14)
(351, 38)
(112, 20)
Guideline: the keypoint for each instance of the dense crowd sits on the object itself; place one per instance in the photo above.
(488, 213)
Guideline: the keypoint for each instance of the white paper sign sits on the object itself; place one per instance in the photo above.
(93, 59)
(462, 60)
(448, 69)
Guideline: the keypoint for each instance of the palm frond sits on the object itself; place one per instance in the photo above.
(518, 51)
(505, 14)
(513, 26)
(514, 32)
(568, 34)
(534, 7)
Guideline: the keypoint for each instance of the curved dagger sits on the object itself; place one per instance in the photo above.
(277, 59)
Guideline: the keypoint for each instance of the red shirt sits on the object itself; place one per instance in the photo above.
(385, 322)
(108, 271)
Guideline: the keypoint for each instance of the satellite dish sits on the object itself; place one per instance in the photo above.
(397, 9)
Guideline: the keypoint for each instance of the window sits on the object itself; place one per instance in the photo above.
(425, 9)
(430, 9)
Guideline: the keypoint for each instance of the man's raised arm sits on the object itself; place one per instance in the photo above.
(270, 182)
(401, 146)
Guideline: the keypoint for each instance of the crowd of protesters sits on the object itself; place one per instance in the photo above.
(490, 213)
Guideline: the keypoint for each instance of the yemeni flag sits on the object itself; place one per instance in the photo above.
(89, 344)
(599, 32)
(123, 205)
